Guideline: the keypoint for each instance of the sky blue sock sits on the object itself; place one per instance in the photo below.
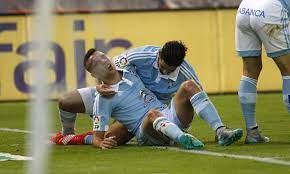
(88, 139)
(286, 92)
(68, 122)
(206, 110)
(248, 96)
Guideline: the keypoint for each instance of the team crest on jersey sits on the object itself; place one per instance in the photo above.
(97, 123)
(147, 96)
(121, 62)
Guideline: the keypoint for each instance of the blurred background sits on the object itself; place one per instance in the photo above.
(113, 26)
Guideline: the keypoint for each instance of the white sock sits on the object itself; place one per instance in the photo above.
(168, 128)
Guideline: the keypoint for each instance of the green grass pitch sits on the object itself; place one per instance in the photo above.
(130, 159)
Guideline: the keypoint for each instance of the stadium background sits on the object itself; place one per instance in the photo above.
(206, 27)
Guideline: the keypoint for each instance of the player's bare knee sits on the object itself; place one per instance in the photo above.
(63, 103)
(190, 88)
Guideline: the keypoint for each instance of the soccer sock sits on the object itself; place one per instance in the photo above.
(168, 128)
(68, 122)
(286, 91)
(88, 139)
(247, 96)
(206, 110)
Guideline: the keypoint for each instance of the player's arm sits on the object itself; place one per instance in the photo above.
(104, 143)
(102, 111)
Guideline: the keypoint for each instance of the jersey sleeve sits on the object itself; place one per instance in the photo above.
(136, 57)
(101, 113)
(122, 62)
(189, 73)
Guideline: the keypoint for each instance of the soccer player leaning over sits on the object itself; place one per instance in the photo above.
(261, 22)
(165, 73)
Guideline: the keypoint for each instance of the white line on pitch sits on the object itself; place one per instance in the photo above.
(209, 153)
(8, 156)
(19, 130)
(14, 130)
(270, 160)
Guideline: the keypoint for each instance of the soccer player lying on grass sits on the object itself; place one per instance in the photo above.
(188, 96)
(135, 107)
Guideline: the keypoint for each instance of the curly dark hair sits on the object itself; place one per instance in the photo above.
(173, 53)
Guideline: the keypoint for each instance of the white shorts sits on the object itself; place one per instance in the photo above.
(88, 97)
(262, 21)
(145, 139)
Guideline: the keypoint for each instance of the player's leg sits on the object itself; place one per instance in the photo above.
(252, 67)
(73, 102)
(249, 46)
(156, 129)
(283, 62)
(190, 97)
(81, 101)
(116, 130)
(69, 105)
(273, 30)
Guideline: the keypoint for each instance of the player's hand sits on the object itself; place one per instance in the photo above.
(108, 143)
(105, 90)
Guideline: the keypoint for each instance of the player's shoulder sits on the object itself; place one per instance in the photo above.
(185, 65)
(186, 69)
(144, 52)
(145, 49)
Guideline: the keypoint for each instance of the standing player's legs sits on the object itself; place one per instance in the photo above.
(270, 28)
(249, 46)
(252, 67)
(190, 97)
(283, 63)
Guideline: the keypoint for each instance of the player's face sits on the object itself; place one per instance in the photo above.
(99, 65)
(164, 68)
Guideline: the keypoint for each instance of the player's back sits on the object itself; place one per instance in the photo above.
(145, 62)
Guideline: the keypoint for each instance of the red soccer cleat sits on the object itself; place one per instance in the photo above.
(55, 138)
(72, 139)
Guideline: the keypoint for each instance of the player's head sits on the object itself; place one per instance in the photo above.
(98, 64)
(171, 55)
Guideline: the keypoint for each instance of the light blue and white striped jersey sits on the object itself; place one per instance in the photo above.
(144, 61)
(286, 4)
(129, 105)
